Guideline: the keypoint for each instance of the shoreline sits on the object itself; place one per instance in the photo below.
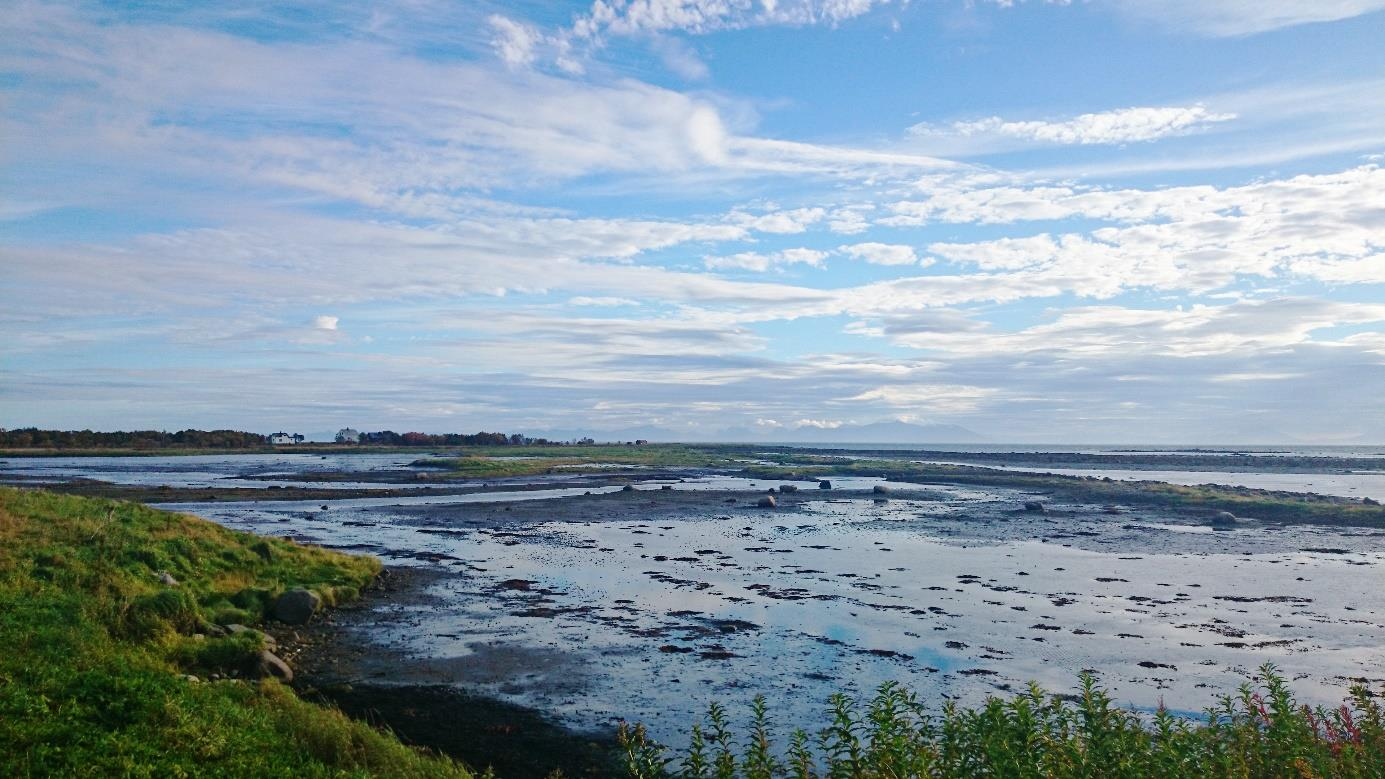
(413, 697)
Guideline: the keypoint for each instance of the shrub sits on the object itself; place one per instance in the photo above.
(1258, 733)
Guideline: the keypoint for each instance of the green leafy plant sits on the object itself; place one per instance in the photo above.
(1260, 732)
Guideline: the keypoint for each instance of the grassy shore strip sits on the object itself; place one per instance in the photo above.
(1173, 461)
(92, 488)
(789, 464)
(1256, 733)
(100, 648)
(495, 462)
(1244, 502)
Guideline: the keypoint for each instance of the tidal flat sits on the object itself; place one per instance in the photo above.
(589, 602)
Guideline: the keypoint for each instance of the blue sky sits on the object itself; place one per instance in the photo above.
(1086, 221)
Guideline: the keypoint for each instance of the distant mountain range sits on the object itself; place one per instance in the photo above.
(873, 433)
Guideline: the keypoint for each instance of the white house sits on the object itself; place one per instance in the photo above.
(284, 438)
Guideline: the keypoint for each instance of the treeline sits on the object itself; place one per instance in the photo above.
(33, 438)
(391, 438)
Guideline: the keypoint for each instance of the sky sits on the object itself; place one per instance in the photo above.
(1156, 221)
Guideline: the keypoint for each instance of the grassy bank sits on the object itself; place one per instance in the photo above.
(498, 462)
(1257, 733)
(789, 464)
(100, 648)
(1202, 499)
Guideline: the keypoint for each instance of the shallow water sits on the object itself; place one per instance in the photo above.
(654, 619)
(649, 607)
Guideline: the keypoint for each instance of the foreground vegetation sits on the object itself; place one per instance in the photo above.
(1258, 733)
(109, 609)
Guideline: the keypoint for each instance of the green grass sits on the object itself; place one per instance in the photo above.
(96, 649)
(480, 462)
(1258, 504)
(1257, 733)
(1203, 499)
(763, 463)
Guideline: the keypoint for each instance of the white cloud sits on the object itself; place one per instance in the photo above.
(680, 58)
(1090, 333)
(703, 16)
(325, 322)
(1255, 377)
(519, 44)
(850, 220)
(942, 398)
(783, 222)
(881, 253)
(757, 261)
(1360, 270)
(583, 300)
(1229, 18)
(514, 41)
(819, 424)
(1224, 18)
(1001, 253)
(1125, 125)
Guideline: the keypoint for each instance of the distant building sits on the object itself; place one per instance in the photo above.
(284, 438)
(348, 435)
(641, 441)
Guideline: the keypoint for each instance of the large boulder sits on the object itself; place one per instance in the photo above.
(880, 489)
(788, 488)
(767, 502)
(296, 606)
(1033, 505)
(269, 664)
(824, 484)
(1223, 519)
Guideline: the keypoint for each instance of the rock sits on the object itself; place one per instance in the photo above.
(767, 502)
(269, 664)
(296, 606)
(268, 640)
(824, 485)
(1223, 519)
(1370, 501)
(167, 578)
(324, 507)
(1033, 505)
(192, 678)
(628, 488)
(880, 489)
(771, 490)
(788, 488)
(666, 487)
